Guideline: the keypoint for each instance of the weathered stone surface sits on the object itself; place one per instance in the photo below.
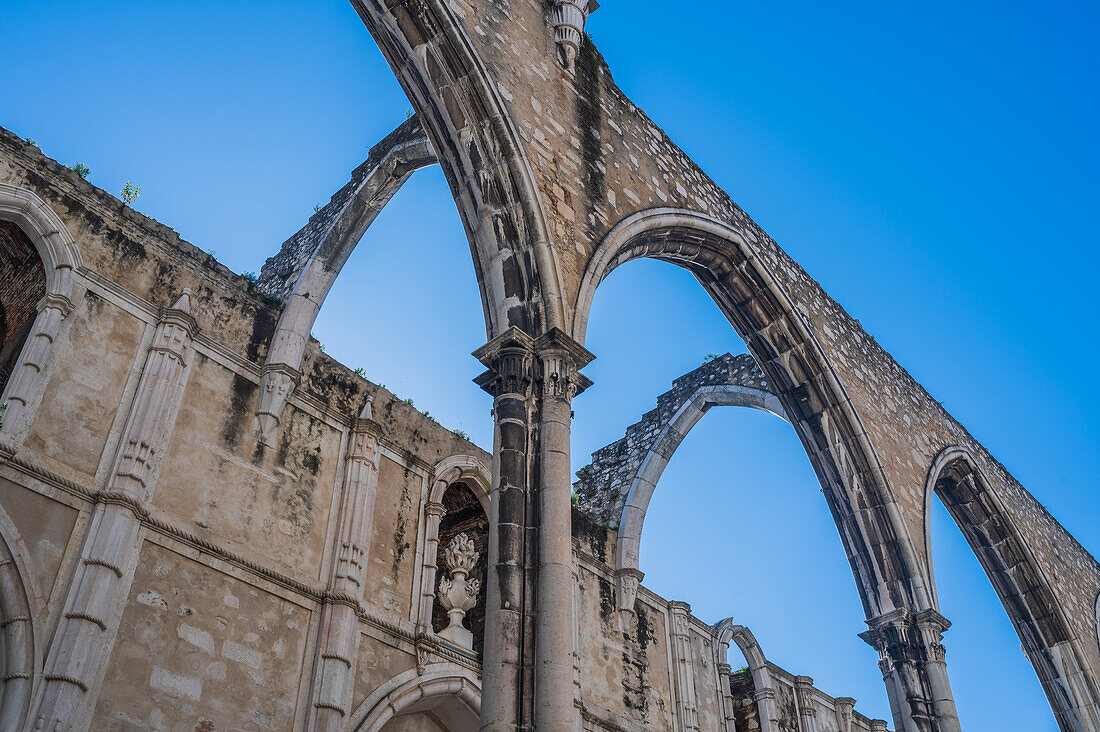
(234, 595)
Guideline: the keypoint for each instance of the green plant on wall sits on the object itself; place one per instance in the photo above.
(130, 192)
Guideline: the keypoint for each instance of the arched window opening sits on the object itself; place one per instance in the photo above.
(984, 655)
(1024, 591)
(410, 289)
(736, 523)
(22, 287)
(463, 514)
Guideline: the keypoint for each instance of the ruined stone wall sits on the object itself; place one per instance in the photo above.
(602, 485)
(221, 623)
(596, 159)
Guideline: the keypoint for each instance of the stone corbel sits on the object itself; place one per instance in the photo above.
(569, 19)
(277, 383)
(627, 581)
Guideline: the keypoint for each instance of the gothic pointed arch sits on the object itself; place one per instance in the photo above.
(1021, 583)
(449, 694)
(617, 486)
(731, 269)
(60, 259)
(20, 603)
(481, 156)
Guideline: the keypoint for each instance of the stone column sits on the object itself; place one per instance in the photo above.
(911, 657)
(725, 671)
(28, 381)
(82, 644)
(433, 515)
(339, 646)
(766, 707)
(509, 358)
(560, 358)
(807, 712)
(679, 619)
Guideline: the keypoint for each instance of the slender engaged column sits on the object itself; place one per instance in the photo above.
(804, 687)
(560, 358)
(433, 515)
(29, 379)
(510, 359)
(729, 713)
(78, 656)
(332, 686)
(679, 614)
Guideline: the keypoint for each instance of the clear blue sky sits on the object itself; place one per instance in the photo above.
(934, 167)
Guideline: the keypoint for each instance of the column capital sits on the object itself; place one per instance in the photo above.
(509, 359)
(561, 358)
(435, 509)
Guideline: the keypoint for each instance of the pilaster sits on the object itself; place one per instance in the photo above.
(686, 701)
(339, 646)
(82, 645)
(807, 712)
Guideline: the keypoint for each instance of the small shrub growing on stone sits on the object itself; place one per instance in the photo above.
(81, 169)
(130, 192)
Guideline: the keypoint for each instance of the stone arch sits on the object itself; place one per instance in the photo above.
(481, 156)
(60, 258)
(20, 651)
(879, 548)
(457, 470)
(726, 631)
(1020, 582)
(450, 693)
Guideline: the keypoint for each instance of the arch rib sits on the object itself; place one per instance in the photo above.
(307, 265)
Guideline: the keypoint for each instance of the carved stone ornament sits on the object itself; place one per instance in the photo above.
(459, 594)
(569, 19)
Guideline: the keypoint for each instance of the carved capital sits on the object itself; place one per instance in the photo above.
(804, 687)
(509, 359)
(560, 359)
(844, 706)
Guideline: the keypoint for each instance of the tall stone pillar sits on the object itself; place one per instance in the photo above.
(339, 647)
(560, 359)
(686, 703)
(506, 683)
(82, 644)
(911, 657)
(528, 666)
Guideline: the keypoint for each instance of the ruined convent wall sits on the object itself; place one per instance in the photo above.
(596, 160)
(224, 585)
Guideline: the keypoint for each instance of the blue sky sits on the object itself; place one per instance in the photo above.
(934, 167)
